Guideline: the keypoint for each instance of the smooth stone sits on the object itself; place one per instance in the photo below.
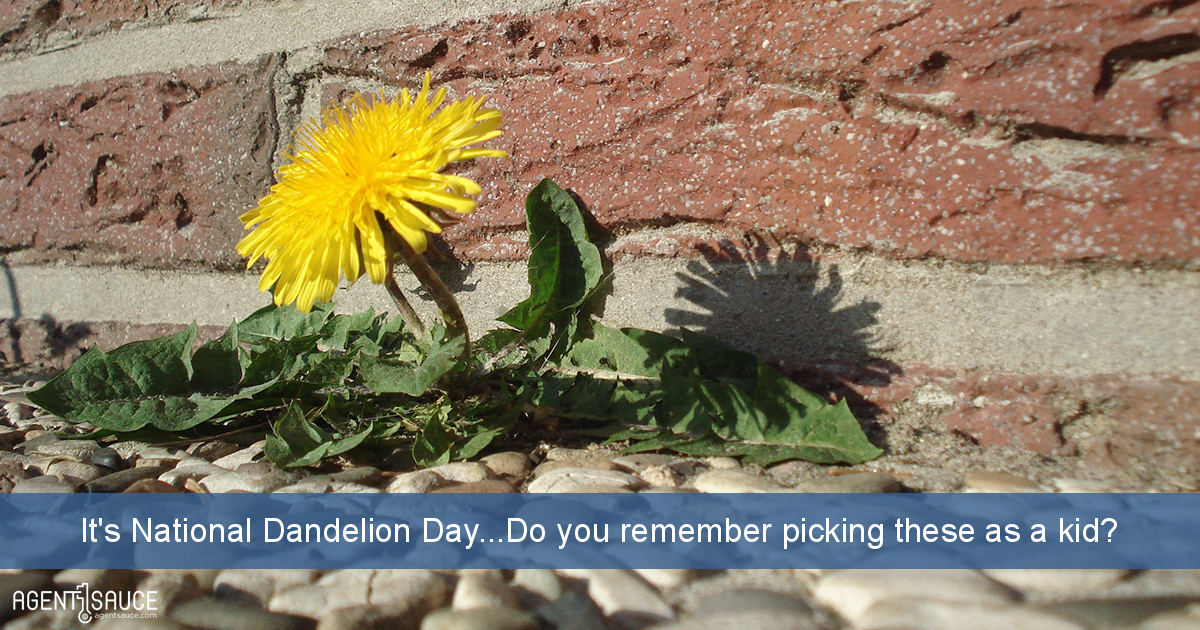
(663, 476)
(853, 591)
(556, 453)
(722, 463)
(746, 600)
(490, 486)
(259, 586)
(1116, 612)
(1178, 620)
(1088, 486)
(593, 463)
(210, 614)
(543, 583)
(365, 475)
(417, 482)
(479, 619)
(257, 468)
(151, 486)
(49, 485)
(572, 611)
(988, 481)
(96, 579)
(11, 475)
(865, 482)
(411, 589)
(482, 590)
(107, 458)
(600, 488)
(316, 484)
(204, 577)
(354, 488)
(1058, 580)
(336, 589)
(78, 450)
(73, 472)
(367, 617)
(211, 451)
(626, 600)
(122, 479)
(243, 482)
(926, 614)
(61, 619)
(128, 450)
(716, 481)
(464, 472)
(509, 464)
(666, 579)
(638, 462)
(244, 456)
(15, 413)
(173, 589)
(189, 469)
(568, 479)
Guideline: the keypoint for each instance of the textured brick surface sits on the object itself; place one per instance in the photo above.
(151, 170)
(30, 25)
(45, 346)
(980, 130)
(1113, 425)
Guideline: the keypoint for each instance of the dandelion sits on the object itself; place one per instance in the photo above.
(360, 164)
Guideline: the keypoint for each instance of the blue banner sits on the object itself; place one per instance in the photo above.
(702, 531)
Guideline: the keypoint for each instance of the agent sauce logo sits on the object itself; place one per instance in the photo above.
(91, 603)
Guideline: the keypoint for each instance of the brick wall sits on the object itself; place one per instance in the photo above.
(1022, 145)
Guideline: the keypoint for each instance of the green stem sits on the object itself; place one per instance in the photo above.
(411, 319)
(456, 324)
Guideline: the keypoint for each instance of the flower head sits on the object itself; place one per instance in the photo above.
(368, 160)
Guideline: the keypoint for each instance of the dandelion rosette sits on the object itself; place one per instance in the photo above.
(360, 163)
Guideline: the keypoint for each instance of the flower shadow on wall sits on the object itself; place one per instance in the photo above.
(790, 309)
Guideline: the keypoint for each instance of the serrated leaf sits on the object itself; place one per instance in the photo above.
(435, 441)
(564, 266)
(384, 375)
(284, 322)
(297, 442)
(216, 365)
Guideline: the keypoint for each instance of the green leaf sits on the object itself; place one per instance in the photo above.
(432, 446)
(284, 322)
(141, 383)
(216, 366)
(384, 375)
(564, 266)
(297, 442)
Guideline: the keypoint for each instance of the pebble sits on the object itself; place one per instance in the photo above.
(464, 472)
(107, 458)
(572, 611)
(592, 463)
(543, 583)
(638, 462)
(123, 623)
(363, 475)
(987, 481)
(15, 413)
(78, 450)
(662, 476)
(73, 472)
(1088, 486)
(244, 456)
(173, 589)
(97, 579)
(508, 464)
(852, 592)
(214, 450)
(722, 463)
(489, 486)
(928, 614)
(479, 619)
(150, 486)
(337, 589)
(259, 586)
(122, 479)
(1058, 580)
(626, 600)
(243, 482)
(49, 485)
(1175, 620)
(418, 482)
(484, 589)
(408, 589)
(865, 482)
(568, 479)
(733, 481)
(191, 468)
(211, 614)
(666, 579)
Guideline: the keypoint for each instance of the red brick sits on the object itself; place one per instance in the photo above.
(979, 131)
(1135, 428)
(151, 170)
(34, 24)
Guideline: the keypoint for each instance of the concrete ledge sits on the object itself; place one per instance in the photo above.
(799, 311)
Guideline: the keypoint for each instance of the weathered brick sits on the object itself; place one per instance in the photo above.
(31, 25)
(1138, 429)
(151, 170)
(985, 130)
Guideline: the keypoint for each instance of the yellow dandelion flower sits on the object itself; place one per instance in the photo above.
(370, 159)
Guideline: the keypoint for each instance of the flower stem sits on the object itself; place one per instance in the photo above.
(456, 324)
(411, 319)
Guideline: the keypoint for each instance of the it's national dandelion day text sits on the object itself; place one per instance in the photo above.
(367, 530)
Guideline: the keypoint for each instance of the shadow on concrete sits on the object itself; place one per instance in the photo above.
(790, 310)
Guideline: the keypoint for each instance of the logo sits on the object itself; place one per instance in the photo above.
(91, 603)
